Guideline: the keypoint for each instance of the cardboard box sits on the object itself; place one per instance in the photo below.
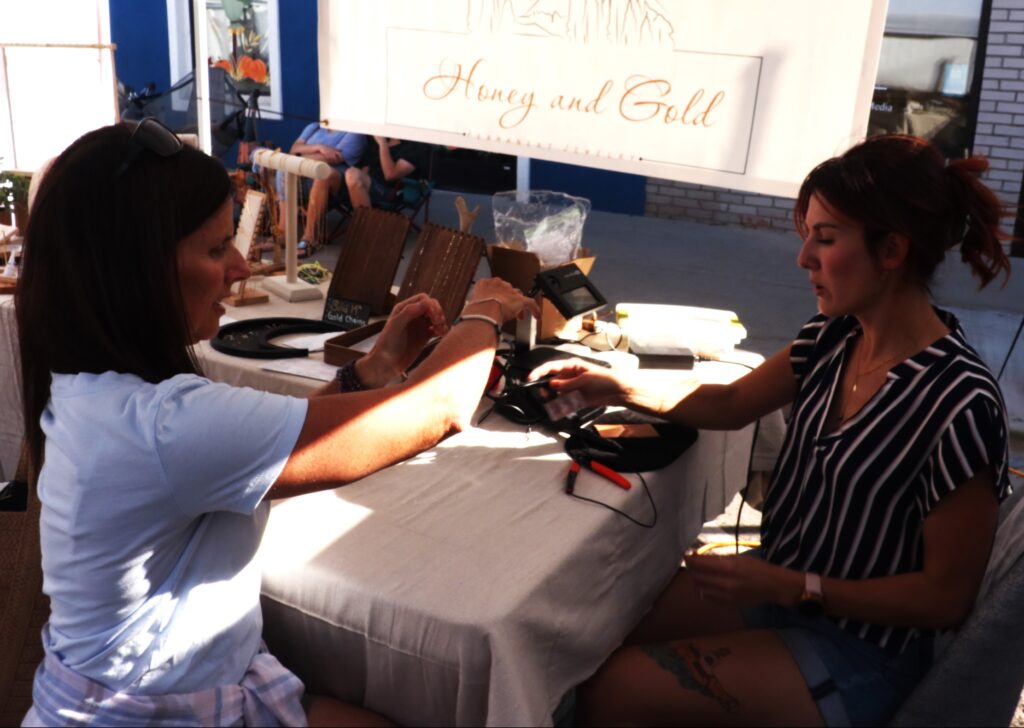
(520, 268)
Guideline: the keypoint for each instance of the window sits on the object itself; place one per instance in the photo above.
(926, 72)
(242, 39)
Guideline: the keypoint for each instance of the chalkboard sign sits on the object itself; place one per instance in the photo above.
(346, 314)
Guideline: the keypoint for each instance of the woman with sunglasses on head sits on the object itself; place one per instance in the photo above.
(877, 527)
(154, 481)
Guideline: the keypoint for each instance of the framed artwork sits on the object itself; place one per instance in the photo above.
(242, 39)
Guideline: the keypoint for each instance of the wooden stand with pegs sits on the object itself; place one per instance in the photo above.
(247, 226)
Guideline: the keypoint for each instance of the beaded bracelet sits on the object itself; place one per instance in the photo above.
(348, 379)
(480, 317)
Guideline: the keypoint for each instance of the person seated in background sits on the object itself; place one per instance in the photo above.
(154, 481)
(388, 161)
(881, 513)
(342, 150)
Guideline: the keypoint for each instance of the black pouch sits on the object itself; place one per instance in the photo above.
(14, 496)
(631, 454)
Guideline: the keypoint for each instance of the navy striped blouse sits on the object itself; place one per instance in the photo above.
(851, 504)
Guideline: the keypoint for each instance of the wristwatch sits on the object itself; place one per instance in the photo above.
(812, 601)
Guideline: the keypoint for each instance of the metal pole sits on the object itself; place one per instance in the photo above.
(522, 179)
(202, 75)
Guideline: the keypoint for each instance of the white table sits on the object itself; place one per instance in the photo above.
(463, 586)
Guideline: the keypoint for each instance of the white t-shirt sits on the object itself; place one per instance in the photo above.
(151, 518)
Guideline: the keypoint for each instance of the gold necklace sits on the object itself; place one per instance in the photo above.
(859, 373)
(843, 416)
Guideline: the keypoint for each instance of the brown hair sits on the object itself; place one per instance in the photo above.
(902, 184)
(99, 286)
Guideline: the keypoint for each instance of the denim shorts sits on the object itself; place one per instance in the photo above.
(852, 681)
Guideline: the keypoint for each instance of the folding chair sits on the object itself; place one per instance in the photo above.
(978, 673)
(414, 197)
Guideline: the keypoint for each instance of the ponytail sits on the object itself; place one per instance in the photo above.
(901, 184)
(981, 240)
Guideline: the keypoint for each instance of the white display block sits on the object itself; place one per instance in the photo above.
(292, 291)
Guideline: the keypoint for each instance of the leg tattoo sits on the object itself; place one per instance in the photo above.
(694, 670)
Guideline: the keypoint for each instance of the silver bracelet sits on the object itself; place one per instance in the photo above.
(501, 308)
(480, 317)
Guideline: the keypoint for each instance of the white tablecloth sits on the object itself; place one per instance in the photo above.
(464, 587)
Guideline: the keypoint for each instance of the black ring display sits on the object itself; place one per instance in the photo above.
(252, 338)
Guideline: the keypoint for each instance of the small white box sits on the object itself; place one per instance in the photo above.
(665, 329)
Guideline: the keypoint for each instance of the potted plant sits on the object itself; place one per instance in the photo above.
(14, 197)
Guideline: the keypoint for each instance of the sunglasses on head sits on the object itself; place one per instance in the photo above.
(150, 135)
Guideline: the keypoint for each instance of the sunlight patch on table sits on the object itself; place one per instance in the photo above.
(298, 534)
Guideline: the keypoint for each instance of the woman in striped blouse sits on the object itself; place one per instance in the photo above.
(879, 521)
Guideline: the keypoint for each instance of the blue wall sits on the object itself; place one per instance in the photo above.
(139, 29)
(609, 191)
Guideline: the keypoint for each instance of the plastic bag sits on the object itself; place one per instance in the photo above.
(547, 224)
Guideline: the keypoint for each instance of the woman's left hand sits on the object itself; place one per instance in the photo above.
(412, 323)
(743, 580)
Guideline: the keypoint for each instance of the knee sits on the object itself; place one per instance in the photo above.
(355, 177)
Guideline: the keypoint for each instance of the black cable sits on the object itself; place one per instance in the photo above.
(625, 515)
(607, 339)
(300, 117)
(1013, 345)
(750, 462)
(699, 358)
(746, 484)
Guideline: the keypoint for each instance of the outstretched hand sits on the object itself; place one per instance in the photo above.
(513, 304)
(598, 386)
(411, 325)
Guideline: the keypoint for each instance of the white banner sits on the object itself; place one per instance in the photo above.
(56, 77)
(745, 94)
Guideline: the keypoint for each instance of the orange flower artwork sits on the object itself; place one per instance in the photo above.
(252, 68)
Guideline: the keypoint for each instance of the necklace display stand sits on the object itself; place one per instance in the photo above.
(248, 223)
(291, 289)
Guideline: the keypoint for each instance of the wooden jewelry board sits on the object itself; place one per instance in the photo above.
(248, 223)
(369, 258)
(442, 266)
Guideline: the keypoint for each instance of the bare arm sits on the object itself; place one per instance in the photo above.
(687, 401)
(348, 436)
(958, 536)
(393, 169)
(317, 152)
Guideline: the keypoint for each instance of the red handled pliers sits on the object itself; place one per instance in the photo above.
(603, 470)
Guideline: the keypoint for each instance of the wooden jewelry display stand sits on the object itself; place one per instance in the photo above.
(248, 223)
(291, 288)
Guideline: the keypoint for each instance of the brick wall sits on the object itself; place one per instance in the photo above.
(999, 136)
(1000, 132)
(717, 206)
